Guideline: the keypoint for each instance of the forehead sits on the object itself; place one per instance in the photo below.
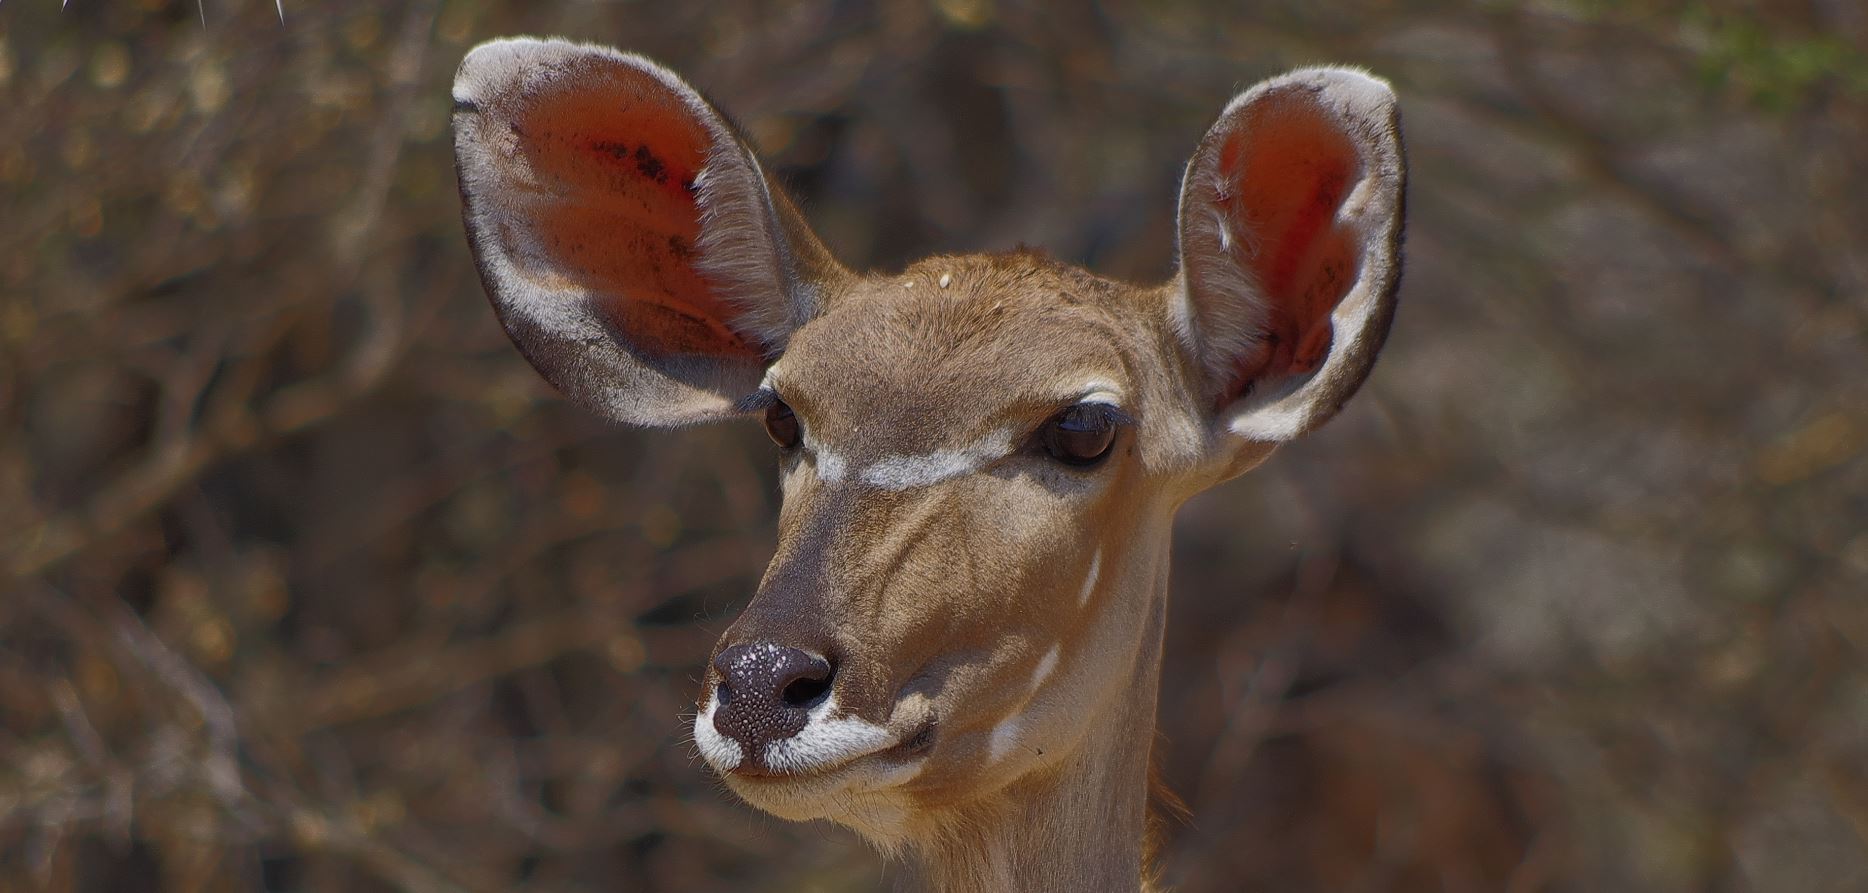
(955, 347)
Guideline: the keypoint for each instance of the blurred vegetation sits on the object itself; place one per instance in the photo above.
(311, 585)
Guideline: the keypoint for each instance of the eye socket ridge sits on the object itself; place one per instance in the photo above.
(1082, 434)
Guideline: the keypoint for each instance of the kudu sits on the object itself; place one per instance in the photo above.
(956, 648)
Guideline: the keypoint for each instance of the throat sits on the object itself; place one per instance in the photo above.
(1064, 831)
(1078, 825)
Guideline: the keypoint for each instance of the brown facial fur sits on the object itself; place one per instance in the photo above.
(957, 590)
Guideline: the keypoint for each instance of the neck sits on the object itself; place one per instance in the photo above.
(1079, 824)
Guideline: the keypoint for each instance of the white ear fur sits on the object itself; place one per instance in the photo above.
(1220, 309)
(764, 268)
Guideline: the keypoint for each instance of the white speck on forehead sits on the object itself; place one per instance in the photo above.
(1089, 580)
(946, 279)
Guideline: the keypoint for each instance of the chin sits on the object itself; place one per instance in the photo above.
(867, 795)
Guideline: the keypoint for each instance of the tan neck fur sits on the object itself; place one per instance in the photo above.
(1079, 824)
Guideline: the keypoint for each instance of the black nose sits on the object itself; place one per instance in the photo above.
(766, 693)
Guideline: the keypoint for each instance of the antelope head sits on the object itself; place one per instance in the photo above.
(955, 650)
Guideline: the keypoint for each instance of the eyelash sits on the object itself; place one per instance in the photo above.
(1081, 435)
(1110, 412)
(756, 402)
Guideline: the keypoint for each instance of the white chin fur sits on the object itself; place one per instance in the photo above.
(865, 797)
(826, 742)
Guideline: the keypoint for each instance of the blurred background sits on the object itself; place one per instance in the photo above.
(311, 584)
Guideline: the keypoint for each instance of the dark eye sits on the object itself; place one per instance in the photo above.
(1081, 434)
(781, 424)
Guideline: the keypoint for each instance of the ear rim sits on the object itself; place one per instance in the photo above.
(1366, 109)
(770, 264)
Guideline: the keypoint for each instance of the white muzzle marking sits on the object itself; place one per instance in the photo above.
(720, 752)
(826, 741)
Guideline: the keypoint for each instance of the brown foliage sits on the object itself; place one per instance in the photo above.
(309, 584)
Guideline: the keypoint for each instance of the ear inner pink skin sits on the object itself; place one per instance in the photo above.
(622, 162)
(1289, 171)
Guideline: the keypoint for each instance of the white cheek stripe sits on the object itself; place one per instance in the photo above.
(720, 752)
(830, 467)
(1089, 580)
(902, 472)
(908, 472)
(825, 742)
(1045, 666)
(1005, 734)
(1004, 737)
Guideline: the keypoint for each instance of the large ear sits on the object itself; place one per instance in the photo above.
(1290, 235)
(633, 248)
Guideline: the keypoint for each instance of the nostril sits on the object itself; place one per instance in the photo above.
(758, 678)
(805, 691)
